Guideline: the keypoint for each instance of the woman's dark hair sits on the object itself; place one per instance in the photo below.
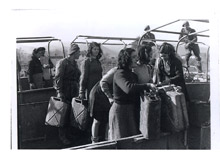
(124, 58)
(141, 54)
(167, 48)
(91, 46)
(37, 50)
(149, 43)
(41, 49)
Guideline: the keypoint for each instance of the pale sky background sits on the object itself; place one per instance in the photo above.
(116, 18)
(104, 18)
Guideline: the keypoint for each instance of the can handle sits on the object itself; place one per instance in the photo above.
(56, 98)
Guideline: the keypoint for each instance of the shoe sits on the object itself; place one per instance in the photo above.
(64, 140)
(94, 139)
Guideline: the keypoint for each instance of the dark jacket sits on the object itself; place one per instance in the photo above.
(188, 38)
(126, 89)
(34, 68)
(176, 74)
(67, 78)
(98, 104)
(124, 113)
(91, 73)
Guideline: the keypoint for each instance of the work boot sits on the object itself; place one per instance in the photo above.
(95, 139)
(62, 137)
(64, 140)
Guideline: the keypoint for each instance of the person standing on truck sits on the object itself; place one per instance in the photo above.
(126, 93)
(35, 71)
(148, 35)
(91, 69)
(46, 64)
(144, 70)
(66, 83)
(18, 66)
(168, 69)
(101, 99)
(191, 45)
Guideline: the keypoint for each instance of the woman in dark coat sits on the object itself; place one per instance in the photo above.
(126, 92)
(67, 75)
(91, 70)
(35, 70)
(66, 83)
(168, 69)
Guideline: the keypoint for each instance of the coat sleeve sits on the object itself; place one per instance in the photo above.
(107, 82)
(156, 72)
(105, 88)
(84, 76)
(59, 74)
(178, 72)
(30, 71)
(126, 85)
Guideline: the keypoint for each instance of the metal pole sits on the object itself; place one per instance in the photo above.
(207, 63)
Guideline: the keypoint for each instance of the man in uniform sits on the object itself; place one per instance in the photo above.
(191, 45)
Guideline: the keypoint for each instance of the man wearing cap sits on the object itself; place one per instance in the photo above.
(148, 35)
(66, 82)
(191, 44)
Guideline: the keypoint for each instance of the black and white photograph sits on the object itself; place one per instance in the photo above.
(114, 75)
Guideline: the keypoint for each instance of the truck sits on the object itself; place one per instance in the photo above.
(32, 104)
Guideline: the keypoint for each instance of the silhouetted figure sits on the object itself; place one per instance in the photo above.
(191, 44)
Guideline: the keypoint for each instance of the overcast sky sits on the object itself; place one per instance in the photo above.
(104, 18)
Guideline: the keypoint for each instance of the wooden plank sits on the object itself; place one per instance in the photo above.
(35, 95)
(31, 120)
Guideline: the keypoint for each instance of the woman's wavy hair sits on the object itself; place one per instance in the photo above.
(141, 54)
(37, 50)
(91, 46)
(149, 43)
(41, 49)
(169, 49)
(34, 52)
(124, 58)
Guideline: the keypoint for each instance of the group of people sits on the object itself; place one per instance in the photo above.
(189, 37)
(71, 81)
(114, 98)
(190, 40)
